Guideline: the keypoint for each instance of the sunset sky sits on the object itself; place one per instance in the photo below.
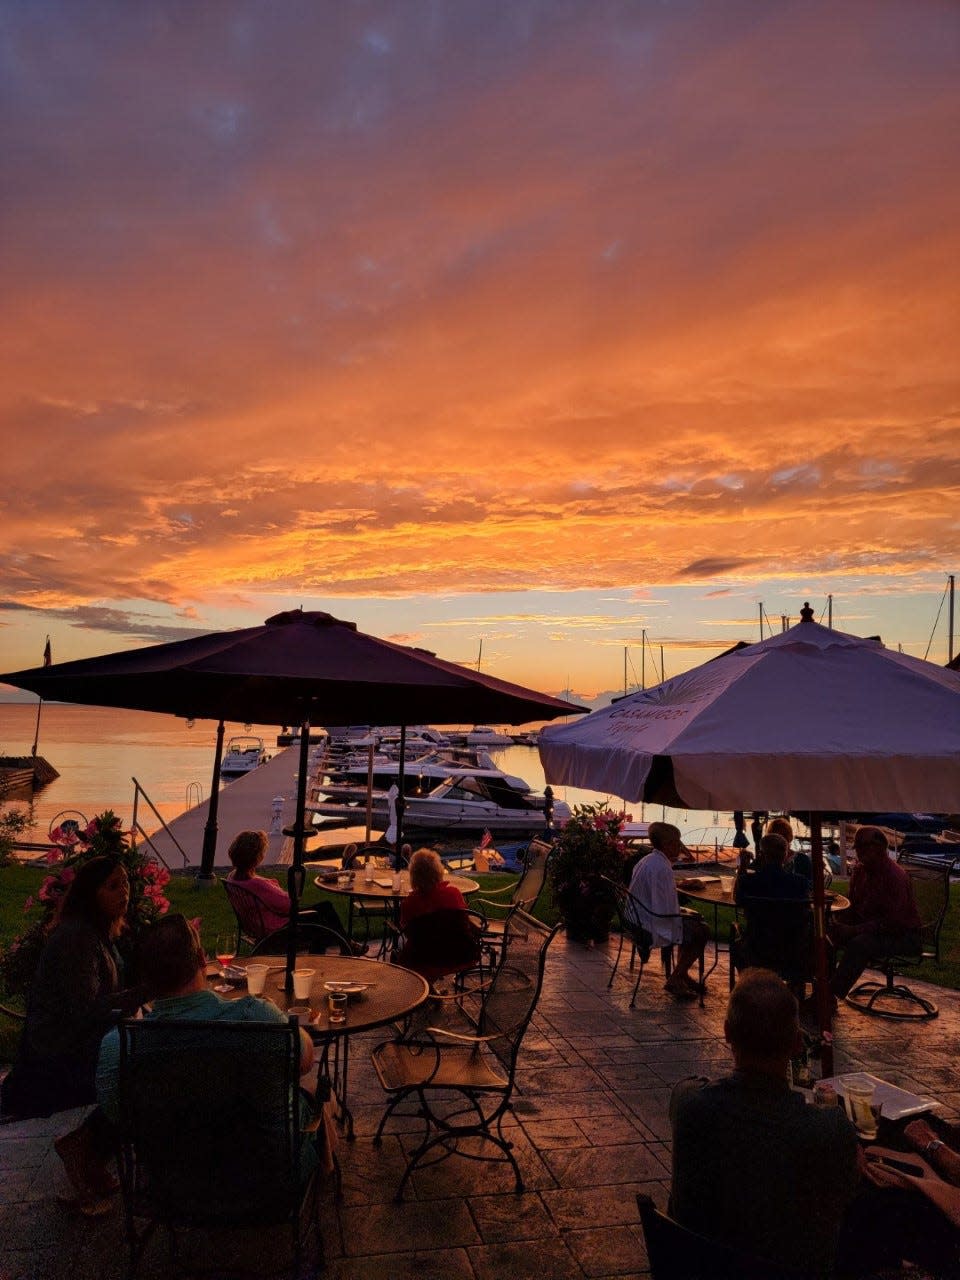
(541, 323)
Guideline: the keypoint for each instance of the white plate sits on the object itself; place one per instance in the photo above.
(346, 988)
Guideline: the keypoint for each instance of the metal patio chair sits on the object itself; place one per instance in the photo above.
(463, 1079)
(931, 892)
(248, 910)
(677, 1253)
(211, 1133)
(641, 940)
(525, 893)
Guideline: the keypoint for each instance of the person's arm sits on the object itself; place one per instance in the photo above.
(306, 1052)
(934, 1150)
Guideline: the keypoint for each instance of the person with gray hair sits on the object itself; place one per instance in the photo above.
(654, 906)
(754, 1167)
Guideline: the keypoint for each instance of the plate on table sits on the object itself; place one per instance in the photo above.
(347, 988)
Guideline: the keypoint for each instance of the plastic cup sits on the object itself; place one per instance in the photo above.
(302, 982)
(859, 1104)
(337, 1006)
(257, 978)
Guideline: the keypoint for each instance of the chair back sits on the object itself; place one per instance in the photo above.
(209, 1120)
(511, 997)
(629, 928)
(676, 1253)
(248, 910)
(779, 936)
(931, 893)
(316, 939)
(442, 942)
(527, 890)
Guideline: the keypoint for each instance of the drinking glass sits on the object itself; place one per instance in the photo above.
(226, 950)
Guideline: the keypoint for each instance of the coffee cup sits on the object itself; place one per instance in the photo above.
(257, 978)
(302, 982)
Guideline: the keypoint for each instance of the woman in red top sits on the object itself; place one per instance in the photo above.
(440, 937)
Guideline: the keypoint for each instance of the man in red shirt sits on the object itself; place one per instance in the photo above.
(882, 919)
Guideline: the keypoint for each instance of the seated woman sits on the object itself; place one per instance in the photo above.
(439, 936)
(74, 1000)
(246, 853)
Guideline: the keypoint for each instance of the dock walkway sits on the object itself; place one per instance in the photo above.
(589, 1125)
(248, 803)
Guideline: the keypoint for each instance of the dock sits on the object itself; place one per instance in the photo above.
(263, 800)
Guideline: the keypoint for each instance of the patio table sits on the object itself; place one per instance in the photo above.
(392, 994)
(380, 889)
(717, 891)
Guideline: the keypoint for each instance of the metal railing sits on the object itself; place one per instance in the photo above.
(138, 830)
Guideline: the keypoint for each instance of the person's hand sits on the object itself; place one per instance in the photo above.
(918, 1133)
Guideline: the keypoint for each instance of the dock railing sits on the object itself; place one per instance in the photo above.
(138, 830)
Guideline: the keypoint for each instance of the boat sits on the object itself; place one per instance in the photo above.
(472, 802)
(241, 755)
(482, 735)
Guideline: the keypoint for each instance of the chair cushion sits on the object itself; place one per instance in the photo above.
(404, 1065)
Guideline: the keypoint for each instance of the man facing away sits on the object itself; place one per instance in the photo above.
(654, 906)
(882, 918)
(755, 1167)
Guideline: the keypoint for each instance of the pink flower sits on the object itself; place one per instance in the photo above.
(66, 875)
(55, 855)
(47, 893)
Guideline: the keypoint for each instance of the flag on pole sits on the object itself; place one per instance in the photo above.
(47, 659)
(485, 840)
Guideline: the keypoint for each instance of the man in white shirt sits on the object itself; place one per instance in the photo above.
(656, 908)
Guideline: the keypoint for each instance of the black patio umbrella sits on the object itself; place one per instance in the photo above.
(296, 668)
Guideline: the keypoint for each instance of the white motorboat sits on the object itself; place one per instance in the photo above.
(241, 755)
(482, 735)
(463, 802)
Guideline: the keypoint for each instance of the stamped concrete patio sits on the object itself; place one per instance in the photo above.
(590, 1129)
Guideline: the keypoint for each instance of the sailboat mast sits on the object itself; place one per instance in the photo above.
(830, 611)
(643, 658)
(950, 619)
(624, 670)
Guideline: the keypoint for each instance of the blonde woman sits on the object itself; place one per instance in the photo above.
(440, 937)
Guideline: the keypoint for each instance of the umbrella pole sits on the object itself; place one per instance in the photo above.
(210, 830)
(295, 870)
(401, 802)
(822, 980)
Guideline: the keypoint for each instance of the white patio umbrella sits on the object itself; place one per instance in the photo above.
(810, 720)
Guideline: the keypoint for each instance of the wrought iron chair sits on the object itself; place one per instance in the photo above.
(777, 934)
(677, 1253)
(316, 939)
(463, 1079)
(641, 941)
(211, 1134)
(931, 892)
(370, 910)
(440, 943)
(248, 910)
(525, 893)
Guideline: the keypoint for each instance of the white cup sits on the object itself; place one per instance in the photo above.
(257, 978)
(859, 1108)
(302, 982)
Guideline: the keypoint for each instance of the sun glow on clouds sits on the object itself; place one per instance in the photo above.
(477, 301)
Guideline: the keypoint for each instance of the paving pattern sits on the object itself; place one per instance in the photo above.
(589, 1128)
